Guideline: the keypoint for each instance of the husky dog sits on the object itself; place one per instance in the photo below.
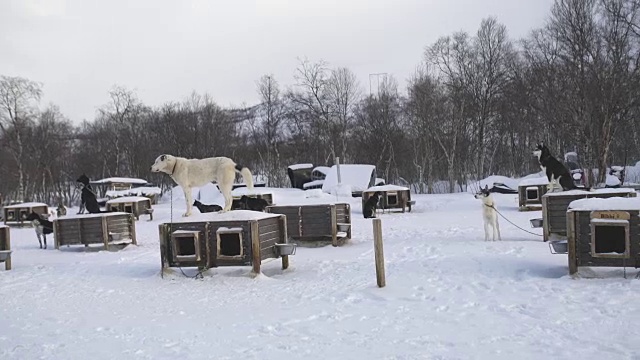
(371, 205)
(88, 198)
(250, 203)
(206, 208)
(42, 226)
(557, 173)
(189, 173)
(489, 214)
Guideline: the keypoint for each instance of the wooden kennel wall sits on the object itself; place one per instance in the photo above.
(318, 222)
(103, 228)
(393, 197)
(5, 247)
(556, 204)
(16, 213)
(136, 205)
(530, 192)
(236, 238)
(604, 237)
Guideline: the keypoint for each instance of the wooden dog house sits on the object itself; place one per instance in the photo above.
(103, 228)
(530, 192)
(317, 223)
(17, 213)
(236, 238)
(556, 204)
(603, 232)
(393, 197)
(5, 247)
(136, 205)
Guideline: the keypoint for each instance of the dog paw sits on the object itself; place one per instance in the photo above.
(186, 214)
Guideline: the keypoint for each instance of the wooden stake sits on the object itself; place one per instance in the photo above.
(379, 254)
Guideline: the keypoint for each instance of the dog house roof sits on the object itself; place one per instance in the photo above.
(614, 203)
(83, 216)
(534, 181)
(127, 199)
(300, 166)
(389, 187)
(24, 205)
(583, 192)
(234, 215)
(120, 180)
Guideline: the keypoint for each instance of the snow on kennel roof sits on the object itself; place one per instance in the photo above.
(358, 176)
(300, 166)
(82, 216)
(584, 192)
(127, 199)
(534, 181)
(123, 180)
(389, 187)
(24, 205)
(235, 215)
(614, 203)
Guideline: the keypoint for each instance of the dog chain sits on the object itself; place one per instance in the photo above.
(499, 213)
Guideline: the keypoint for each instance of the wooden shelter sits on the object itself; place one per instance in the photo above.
(5, 247)
(136, 205)
(17, 213)
(102, 228)
(603, 232)
(235, 238)
(530, 192)
(555, 205)
(317, 224)
(393, 197)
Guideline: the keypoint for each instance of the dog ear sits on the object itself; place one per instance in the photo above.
(163, 157)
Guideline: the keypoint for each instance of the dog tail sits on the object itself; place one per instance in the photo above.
(246, 175)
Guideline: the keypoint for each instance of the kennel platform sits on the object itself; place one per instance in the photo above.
(86, 229)
(234, 238)
(257, 193)
(317, 224)
(530, 192)
(5, 247)
(603, 232)
(136, 205)
(17, 213)
(556, 204)
(393, 197)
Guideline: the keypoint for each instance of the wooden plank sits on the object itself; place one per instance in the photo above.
(378, 252)
(284, 239)
(134, 237)
(571, 243)
(255, 247)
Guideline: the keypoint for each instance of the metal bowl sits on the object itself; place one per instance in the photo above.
(286, 249)
(536, 223)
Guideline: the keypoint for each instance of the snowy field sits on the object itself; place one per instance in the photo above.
(449, 295)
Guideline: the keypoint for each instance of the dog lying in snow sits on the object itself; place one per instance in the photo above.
(42, 227)
(206, 208)
(249, 203)
(489, 214)
(189, 173)
(371, 205)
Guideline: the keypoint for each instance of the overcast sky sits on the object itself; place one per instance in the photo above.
(165, 49)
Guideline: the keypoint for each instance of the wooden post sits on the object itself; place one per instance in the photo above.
(132, 222)
(283, 230)
(338, 170)
(255, 247)
(105, 232)
(378, 251)
(56, 230)
(572, 242)
(7, 263)
(334, 225)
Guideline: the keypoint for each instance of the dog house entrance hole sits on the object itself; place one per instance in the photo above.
(392, 198)
(23, 214)
(11, 215)
(128, 208)
(610, 238)
(186, 245)
(532, 193)
(229, 242)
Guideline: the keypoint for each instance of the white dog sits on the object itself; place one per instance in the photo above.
(190, 173)
(489, 213)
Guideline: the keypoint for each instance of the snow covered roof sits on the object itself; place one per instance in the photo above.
(233, 215)
(23, 205)
(313, 183)
(584, 192)
(534, 181)
(82, 216)
(358, 176)
(389, 187)
(256, 190)
(323, 169)
(142, 190)
(614, 203)
(126, 199)
(120, 180)
(300, 166)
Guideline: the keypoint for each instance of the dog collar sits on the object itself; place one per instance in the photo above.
(174, 168)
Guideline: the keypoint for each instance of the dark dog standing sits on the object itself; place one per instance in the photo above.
(42, 226)
(371, 205)
(88, 198)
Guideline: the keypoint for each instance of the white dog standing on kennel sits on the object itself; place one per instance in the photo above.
(489, 214)
(190, 173)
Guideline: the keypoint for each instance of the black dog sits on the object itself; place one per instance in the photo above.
(371, 205)
(249, 203)
(556, 172)
(42, 226)
(206, 208)
(88, 197)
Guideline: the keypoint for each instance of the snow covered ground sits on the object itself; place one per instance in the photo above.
(449, 295)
